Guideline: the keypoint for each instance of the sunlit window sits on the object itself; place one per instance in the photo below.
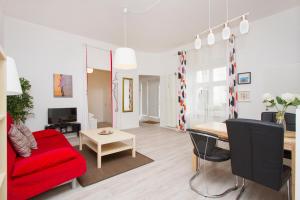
(202, 76)
(219, 95)
(219, 74)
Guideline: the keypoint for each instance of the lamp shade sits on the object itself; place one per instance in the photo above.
(13, 86)
(226, 32)
(244, 25)
(125, 59)
(211, 38)
(197, 43)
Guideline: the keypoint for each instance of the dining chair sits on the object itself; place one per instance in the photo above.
(256, 149)
(290, 119)
(205, 147)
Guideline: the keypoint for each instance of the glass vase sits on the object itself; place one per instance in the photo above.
(280, 119)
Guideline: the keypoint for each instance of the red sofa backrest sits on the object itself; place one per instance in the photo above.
(11, 154)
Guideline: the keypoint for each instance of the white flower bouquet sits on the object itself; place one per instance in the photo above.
(281, 103)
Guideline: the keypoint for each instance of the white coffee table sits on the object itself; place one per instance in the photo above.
(107, 144)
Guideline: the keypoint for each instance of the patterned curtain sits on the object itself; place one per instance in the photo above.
(232, 80)
(182, 91)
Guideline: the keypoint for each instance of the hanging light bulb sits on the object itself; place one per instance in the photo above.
(211, 38)
(244, 25)
(89, 70)
(226, 32)
(125, 58)
(198, 42)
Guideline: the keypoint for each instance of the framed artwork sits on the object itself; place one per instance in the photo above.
(244, 96)
(244, 78)
(127, 95)
(62, 85)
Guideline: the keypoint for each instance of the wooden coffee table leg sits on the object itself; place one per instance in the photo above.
(133, 148)
(80, 141)
(99, 156)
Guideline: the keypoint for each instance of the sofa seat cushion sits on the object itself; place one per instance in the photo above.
(42, 161)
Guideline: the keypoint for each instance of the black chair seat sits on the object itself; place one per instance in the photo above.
(286, 174)
(287, 154)
(216, 155)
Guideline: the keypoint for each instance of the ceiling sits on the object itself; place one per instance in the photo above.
(169, 24)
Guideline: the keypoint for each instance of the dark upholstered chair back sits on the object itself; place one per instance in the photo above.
(256, 149)
(199, 142)
(290, 119)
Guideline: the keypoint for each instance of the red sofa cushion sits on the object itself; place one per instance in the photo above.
(42, 161)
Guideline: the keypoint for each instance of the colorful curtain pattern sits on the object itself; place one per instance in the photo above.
(232, 80)
(182, 91)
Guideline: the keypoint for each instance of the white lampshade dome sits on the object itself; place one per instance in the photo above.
(197, 43)
(211, 38)
(13, 86)
(125, 59)
(244, 26)
(226, 32)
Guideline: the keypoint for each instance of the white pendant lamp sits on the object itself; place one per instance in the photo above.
(125, 58)
(13, 86)
(244, 25)
(197, 43)
(226, 30)
(211, 38)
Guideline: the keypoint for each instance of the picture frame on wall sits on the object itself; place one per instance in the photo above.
(62, 85)
(244, 78)
(127, 95)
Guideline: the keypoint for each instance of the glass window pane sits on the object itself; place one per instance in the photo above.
(202, 76)
(219, 95)
(219, 74)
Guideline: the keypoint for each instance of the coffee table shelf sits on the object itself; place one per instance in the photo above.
(107, 144)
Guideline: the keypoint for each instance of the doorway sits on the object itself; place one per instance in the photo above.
(99, 99)
(149, 98)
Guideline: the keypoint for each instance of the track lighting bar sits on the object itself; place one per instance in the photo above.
(222, 25)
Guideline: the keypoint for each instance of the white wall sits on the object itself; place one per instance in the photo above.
(1, 25)
(298, 154)
(99, 101)
(39, 52)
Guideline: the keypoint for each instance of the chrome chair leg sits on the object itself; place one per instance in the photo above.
(288, 188)
(212, 196)
(242, 190)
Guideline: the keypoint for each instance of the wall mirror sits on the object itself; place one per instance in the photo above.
(127, 97)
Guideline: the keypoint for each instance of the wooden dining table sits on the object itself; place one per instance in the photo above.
(219, 130)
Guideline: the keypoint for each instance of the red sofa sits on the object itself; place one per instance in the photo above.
(53, 163)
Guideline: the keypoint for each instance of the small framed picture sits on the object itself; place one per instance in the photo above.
(244, 78)
(244, 96)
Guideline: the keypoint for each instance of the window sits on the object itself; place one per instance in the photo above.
(219, 95)
(219, 74)
(202, 76)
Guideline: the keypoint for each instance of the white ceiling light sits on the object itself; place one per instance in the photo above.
(244, 25)
(125, 57)
(226, 30)
(198, 42)
(211, 38)
(13, 86)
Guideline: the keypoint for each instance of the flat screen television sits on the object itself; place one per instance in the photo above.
(62, 115)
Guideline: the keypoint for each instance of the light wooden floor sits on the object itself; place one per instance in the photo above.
(166, 178)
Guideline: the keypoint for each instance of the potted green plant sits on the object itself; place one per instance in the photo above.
(20, 106)
(281, 103)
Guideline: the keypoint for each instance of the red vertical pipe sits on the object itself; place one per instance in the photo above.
(111, 79)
